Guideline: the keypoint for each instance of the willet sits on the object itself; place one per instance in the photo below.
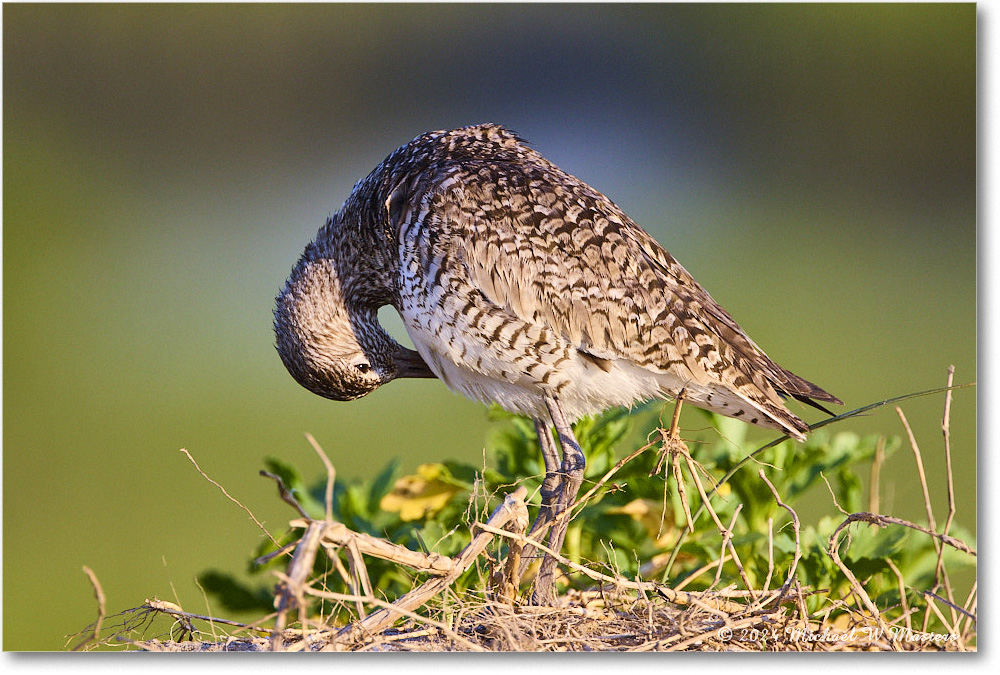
(519, 284)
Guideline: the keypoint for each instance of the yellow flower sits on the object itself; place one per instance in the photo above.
(650, 514)
(421, 494)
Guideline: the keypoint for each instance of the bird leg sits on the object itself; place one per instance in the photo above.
(551, 486)
(571, 469)
(553, 480)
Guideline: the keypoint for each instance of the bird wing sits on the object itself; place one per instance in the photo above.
(552, 251)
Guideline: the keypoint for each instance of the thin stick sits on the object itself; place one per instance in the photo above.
(875, 475)
(395, 608)
(706, 501)
(878, 519)
(676, 419)
(681, 492)
(770, 554)
(230, 497)
(859, 590)
(736, 559)
(358, 568)
(958, 609)
(611, 472)
(946, 430)
(376, 622)
(178, 613)
(101, 612)
(940, 572)
(208, 607)
(284, 493)
(339, 534)
(331, 475)
(727, 536)
(511, 577)
(701, 570)
(801, 602)
(333, 552)
(927, 506)
(902, 592)
(298, 570)
(679, 597)
(795, 529)
(920, 468)
(970, 606)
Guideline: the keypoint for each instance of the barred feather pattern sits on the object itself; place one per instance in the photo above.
(516, 280)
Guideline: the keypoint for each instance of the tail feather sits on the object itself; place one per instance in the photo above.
(755, 406)
(799, 388)
(808, 401)
(748, 406)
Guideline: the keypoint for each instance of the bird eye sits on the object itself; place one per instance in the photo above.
(363, 368)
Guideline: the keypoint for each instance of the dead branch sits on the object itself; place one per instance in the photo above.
(331, 475)
(291, 592)
(284, 493)
(510, 509)
(511, 573)
(878, 519)
(705, 601)
(338, 534)
(230, 497)
(946, 431)
(101, 612)
(795, 529)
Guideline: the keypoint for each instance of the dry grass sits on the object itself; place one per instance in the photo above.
(613, 614)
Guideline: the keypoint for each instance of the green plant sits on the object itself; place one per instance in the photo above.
(635, 523)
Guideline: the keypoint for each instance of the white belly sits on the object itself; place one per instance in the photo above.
(463, 357)
(587, 389)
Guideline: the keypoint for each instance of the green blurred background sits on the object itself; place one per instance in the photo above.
(813, 166)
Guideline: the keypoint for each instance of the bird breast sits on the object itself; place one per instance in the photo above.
(518, 377)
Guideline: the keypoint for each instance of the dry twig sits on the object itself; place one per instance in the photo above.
(101, 611)
(230, 497)
(380, 620)
(795, 529)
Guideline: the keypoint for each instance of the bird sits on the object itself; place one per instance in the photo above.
(521, 285)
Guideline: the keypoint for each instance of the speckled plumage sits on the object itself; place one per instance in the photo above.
(522, 285)
(515, 281)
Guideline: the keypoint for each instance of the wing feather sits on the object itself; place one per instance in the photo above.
(552, 251)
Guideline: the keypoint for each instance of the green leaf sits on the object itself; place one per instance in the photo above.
(234, 595)
(296, 485)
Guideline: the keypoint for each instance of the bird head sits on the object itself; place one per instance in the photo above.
(329, 338)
